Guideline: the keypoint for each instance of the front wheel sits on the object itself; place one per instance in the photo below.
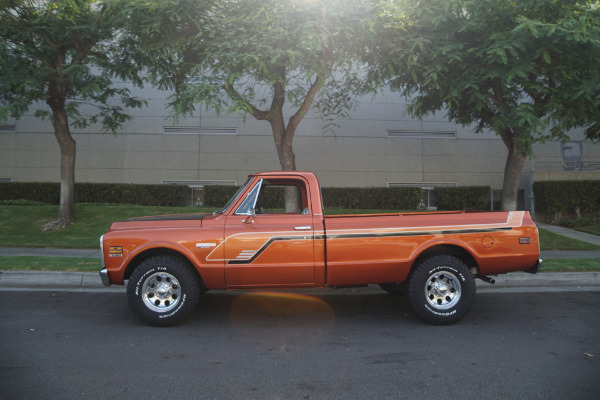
(441, 289)
(163, 290)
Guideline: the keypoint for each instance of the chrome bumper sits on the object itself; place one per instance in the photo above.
(104, 277)
(103, 271)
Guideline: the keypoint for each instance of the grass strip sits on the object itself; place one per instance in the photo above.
(552, 241)
(594, 230)
(34, 263)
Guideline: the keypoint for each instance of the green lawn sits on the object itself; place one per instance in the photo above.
(571, 265)
(20, 227)
(552, 241)
(594, 229)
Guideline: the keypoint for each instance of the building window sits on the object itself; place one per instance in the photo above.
(7, 128)
(420, 134)
(572, 156)
(196, 130)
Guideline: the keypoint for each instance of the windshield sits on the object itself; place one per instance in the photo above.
(231, 200)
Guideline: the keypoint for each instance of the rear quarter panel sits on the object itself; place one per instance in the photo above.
(382, 248)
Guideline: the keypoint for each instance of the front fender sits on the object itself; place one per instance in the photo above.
(120, 260)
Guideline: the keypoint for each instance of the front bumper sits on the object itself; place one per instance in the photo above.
(104, 277)
(103, 271)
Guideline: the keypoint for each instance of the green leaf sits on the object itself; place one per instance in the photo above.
(546, 56)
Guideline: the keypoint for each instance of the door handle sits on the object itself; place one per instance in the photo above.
(302, 228)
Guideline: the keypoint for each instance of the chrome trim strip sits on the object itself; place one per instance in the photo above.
(102, 251)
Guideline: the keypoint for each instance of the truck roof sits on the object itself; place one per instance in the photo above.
(283, 173)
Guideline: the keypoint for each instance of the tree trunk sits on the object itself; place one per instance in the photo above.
(66, 209)
(512, 177)
(283, 142)
(60, 121)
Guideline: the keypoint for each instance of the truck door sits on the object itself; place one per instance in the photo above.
(268, 241)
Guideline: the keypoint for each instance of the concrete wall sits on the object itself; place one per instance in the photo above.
(360, 153)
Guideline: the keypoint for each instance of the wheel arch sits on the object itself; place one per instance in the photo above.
(448, 249)
(157, 251)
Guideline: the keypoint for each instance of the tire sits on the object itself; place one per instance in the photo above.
(163, 290)
(441, 290)
(394, 288)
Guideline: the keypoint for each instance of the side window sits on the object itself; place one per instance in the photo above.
(282, 196)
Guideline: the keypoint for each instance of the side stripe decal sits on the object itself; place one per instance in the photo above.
(248, 256)
(421, 233)
(240, 260)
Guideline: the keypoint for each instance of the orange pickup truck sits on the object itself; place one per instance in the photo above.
(254, 242)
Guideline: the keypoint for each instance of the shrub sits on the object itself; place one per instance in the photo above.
(553, 198)
(218, 196)
(118, 193)
(472, 198)
(405, 198)
(351, 198)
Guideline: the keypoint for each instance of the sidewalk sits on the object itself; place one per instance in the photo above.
(571, 233)
(90, 280)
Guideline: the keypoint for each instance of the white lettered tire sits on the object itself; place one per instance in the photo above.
(163, 290)
(441, 289)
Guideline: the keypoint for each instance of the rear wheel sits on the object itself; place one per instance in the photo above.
(441, 289)
(163, 290)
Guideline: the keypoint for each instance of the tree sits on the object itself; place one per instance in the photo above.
(271, 59)
(60, 57)
(524, 69)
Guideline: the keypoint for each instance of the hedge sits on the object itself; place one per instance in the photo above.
(574, 197)
(352, 198)
(218, 196)
(472, 198)
(118, 193)
(402, 198)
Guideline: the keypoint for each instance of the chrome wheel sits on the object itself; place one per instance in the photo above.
(443, 290)
(161, 292)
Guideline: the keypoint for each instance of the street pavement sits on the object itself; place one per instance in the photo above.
(512, 281)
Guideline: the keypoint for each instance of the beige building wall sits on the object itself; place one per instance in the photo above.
(361, 152)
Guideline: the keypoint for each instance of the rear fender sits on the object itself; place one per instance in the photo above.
(451, 247)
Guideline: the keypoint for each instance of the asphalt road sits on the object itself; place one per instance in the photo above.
(87, 345)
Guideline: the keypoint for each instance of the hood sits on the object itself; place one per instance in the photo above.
(172, 217)
(161, 221)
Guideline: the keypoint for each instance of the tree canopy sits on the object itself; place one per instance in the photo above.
(60, 57)
(524, 69)
(271, 59)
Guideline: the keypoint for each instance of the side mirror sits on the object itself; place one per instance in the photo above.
(249, 219)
